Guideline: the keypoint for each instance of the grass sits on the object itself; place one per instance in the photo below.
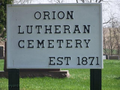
(1, 65)
(79, 79)
(111, 75)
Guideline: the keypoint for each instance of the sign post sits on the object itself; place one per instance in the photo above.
(50, 36)
(13, 77)
(95, 79)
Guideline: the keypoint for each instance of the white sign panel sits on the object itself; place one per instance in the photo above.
(54, 36)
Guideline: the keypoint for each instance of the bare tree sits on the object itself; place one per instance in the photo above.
(113, 38)
(111, 41)
(117, 39)
(22, 1)
(76, 1)
(90, 1)
(104, 40)
(56, 1)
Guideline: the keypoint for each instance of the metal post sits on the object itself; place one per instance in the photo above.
(95, 79)
(13, 76)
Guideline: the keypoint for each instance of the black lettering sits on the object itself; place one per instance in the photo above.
(92, 59)
(87, 42)
(78, 42)
(84, 61)
(78, 61)
(59, 59)
(53, 15)
(97, 61)
(69, 14)
(76, 29)
(46, 14)
(60, 42)
(68, 43)
(50, 44)
(57, 29)
(30, 43)
(48, 29)
(19, 44)
(38, 26)
(66, 28)
(86, 29)
(19, 32)
(51, 60)
(61, 14)
(40, 44)
(37, 15)
(29, 31)
(67, 58)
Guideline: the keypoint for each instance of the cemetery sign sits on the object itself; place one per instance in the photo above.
(54, 36)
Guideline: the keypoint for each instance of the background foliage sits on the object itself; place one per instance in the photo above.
(3, 4)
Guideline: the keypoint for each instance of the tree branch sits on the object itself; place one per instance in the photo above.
(107, 21)
(90, 1)
(76, 1)
(100, 1)
(83, 1)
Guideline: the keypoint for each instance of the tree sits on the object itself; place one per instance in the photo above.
(22, 1)
(104, 40)
(78, 1)
(111, 37)
(117, 39)
(3, 4)
(56, 1)
(89, 1)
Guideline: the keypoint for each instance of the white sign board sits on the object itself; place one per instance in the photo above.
(54, 36)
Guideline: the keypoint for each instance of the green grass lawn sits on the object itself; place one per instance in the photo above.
(79, 79)
(1, 65)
